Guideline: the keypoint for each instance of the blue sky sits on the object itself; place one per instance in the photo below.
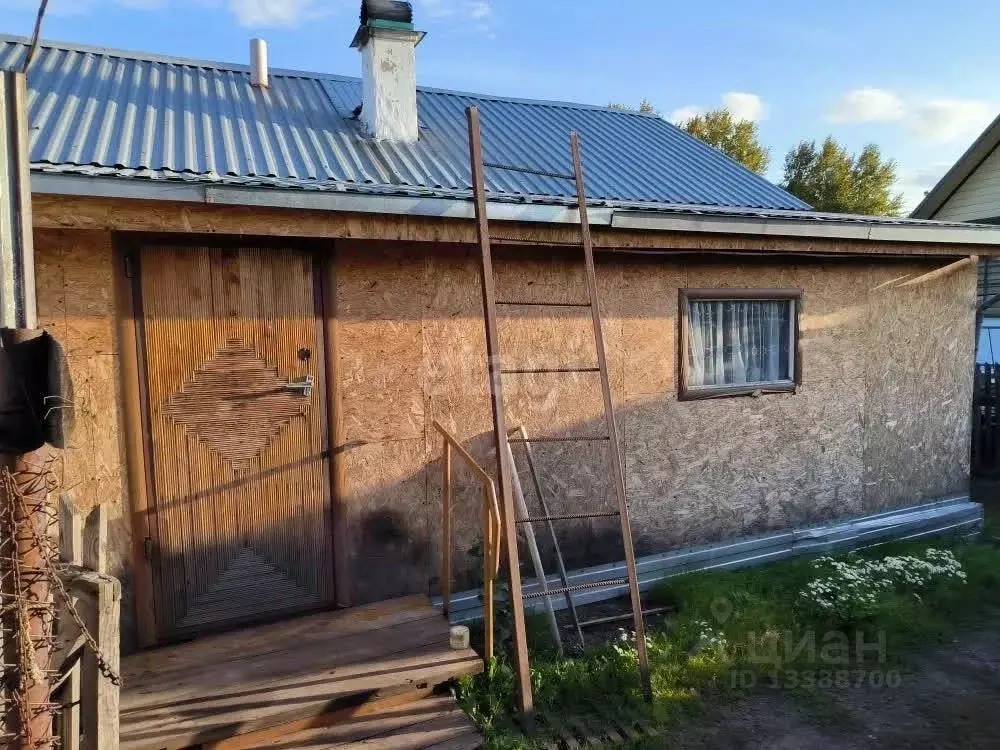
(919, 79)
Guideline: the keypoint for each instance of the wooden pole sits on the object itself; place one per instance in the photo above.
(17, 257)
(337, 433)
(446, 529)
(490, 543)
(18, 311)
(533, 552)
(509, 529)
(614, 448)
(31, 526)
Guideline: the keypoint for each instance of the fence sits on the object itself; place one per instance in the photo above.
(59, 621)
(985, 422)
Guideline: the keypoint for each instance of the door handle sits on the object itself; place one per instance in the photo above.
(304, 385)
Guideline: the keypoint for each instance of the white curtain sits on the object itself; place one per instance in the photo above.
(734, 342)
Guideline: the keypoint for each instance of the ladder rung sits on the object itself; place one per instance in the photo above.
(534, 370)
(530, 170)
(578, 587)
(577, 439)
(543, 304)
(602, 514)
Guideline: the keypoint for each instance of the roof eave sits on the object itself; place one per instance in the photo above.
(784, 224)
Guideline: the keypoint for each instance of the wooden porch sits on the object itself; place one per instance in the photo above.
(332, 680)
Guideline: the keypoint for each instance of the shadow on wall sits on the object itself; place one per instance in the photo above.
(881, 418)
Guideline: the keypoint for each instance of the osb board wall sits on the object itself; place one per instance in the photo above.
(881, 418)
(74, 282)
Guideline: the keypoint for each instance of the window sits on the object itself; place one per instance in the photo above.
(737, 342)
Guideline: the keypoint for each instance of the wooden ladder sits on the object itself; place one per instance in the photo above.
(510, 520)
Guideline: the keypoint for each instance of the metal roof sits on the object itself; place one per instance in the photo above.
(104, 112)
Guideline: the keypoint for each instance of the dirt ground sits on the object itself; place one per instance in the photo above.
(949, 697)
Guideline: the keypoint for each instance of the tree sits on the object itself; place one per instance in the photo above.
(737, 138)
(831, 179)
(645, 106)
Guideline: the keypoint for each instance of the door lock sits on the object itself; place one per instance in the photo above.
(303, 385)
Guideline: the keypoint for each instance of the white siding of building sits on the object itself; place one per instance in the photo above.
(978, 197)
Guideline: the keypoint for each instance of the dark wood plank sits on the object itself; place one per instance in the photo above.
(210, 723)
(128, 313)
(376, 703)
(415, 725)
(238, 683)
(347, 655)
(289, 635)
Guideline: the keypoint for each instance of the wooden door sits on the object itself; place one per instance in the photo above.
(240, 519)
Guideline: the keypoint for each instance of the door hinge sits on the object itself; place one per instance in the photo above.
(129, 267)
(147, 547)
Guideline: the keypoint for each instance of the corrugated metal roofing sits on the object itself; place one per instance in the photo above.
(98, 111)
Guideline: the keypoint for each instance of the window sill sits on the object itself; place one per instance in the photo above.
(735, 391)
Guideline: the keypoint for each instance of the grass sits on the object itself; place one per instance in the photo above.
(732, 625)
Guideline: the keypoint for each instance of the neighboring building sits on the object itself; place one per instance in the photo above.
(202, 243)
(970, 191)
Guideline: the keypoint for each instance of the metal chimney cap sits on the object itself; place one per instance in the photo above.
(395, 11)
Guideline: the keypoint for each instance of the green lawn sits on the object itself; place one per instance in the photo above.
(732, 630)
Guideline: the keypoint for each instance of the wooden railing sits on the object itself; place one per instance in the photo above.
(491, 531)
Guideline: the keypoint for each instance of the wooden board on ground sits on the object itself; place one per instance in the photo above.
(435, 722)
(300, 669)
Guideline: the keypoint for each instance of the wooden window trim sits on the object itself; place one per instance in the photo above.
(685, 296)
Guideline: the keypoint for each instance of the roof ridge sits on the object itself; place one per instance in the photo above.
(193, 62)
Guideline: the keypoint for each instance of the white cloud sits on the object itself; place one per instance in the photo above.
(259, 13)
(930, 120)
(682, 114)
(914, 183)
(744, 106)
(868, 105)
(942, 120)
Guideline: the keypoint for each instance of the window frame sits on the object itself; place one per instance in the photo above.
(687, 392)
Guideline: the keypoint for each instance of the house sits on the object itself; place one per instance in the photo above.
(970, 191)
(267, 285)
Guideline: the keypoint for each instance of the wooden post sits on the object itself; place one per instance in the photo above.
(31, 526)
(490, 542)
(522, 667)
(446, 529)
(614, 447)
(17, 280)
(337, 433)
(533, 551)
(100, 721)
(18, 311)
(71, 553)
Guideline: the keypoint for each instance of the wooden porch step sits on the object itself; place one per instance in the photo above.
(239, 683)
(433, 722)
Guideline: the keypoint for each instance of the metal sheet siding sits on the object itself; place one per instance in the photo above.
(105, 112)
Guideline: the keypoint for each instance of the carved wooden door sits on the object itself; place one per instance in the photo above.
(236, 436)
